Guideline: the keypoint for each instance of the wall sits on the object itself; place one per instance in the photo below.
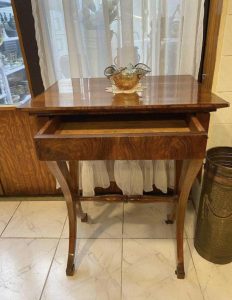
(220, 132)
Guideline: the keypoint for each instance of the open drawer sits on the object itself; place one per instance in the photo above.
(98, 139)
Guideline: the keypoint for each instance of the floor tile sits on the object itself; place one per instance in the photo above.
(104, 221)
(147, 221)
(148, 271)
(24, 265)
(37, 219)
(215, 280)
(7, 208)
(97, 276)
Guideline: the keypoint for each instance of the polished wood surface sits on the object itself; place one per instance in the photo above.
(135, 199)
(168, 121)
(155, 141)
(1, 189)
(189, 172)
(21, 173)
(161, 94)
(60, 170)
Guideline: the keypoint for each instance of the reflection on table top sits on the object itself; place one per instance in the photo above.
(160, 94)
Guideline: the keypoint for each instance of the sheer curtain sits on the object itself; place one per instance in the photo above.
(79, 38)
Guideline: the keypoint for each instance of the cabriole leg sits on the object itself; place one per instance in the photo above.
(189, 172)
(60, 171)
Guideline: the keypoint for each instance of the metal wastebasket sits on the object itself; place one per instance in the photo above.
(213, 236)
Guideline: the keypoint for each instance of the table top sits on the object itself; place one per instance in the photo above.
(163, 94)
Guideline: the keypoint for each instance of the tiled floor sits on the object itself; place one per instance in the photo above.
(126, 251)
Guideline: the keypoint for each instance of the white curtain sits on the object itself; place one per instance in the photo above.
(80, 38)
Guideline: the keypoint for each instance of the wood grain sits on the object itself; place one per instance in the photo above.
(60, 171)
(98, 130)
(150, 139)
(117, 127)
(20, 171)
(123, 148)
(136, 198)
(189, 172)
(164, 94)
(1, 189)
(214, 20)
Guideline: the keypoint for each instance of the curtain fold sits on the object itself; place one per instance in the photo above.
(80, 38)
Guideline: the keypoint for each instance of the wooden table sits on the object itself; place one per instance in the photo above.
(169, 121)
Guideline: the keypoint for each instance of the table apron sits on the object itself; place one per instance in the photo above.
(122, 148)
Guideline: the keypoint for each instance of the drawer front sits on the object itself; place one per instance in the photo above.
(178, 140)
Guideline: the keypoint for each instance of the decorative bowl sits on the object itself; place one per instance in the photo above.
(126, 78)
(123, 99)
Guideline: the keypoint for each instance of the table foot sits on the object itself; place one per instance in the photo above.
(84, 219)
(70, 266)
(180, 273)
(169, 221)
(83, 216)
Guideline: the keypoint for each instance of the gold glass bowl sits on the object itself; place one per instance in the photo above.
(126, 78)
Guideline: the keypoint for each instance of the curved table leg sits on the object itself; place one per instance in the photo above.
(60, 171)
(188, 175)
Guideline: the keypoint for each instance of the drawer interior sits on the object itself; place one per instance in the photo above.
(66, 126)
(121, 127)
